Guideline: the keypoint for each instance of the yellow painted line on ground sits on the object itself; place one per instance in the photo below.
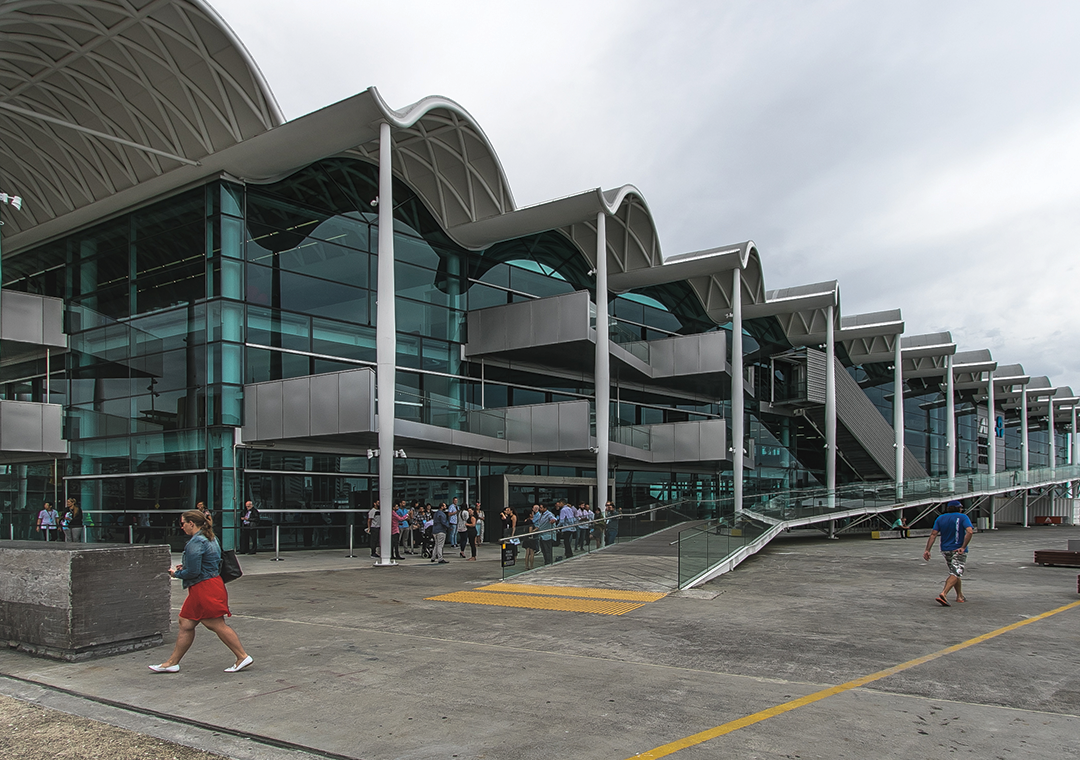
(817, 696)
(597, 606)
(575, 591)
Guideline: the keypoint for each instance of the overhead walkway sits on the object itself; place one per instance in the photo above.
(720, 544)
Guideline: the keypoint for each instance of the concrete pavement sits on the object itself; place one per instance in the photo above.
(359, 662)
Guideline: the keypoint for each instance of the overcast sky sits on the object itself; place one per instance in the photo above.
(924, 154)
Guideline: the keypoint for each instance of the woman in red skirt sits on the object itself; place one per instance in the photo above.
(207, 601)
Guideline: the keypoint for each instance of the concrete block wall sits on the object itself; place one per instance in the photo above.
(77, 601)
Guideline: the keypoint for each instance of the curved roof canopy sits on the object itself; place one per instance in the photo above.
(98, 96)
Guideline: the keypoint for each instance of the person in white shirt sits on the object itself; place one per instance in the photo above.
(48, 521)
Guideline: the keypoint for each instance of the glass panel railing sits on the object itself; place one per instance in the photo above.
(703, 547)
(635, 436)
(530, 547)
(707, 546)
(628, 339)
(445, 413)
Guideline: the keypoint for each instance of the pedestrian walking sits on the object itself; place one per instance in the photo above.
(956, 531)
(207, 600)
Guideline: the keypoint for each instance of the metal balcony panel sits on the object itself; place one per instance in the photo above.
(574, 426)
(268, 411)
(529, 325)
(325, 415)
(33, 319)
(356, 400)
(662, 442)
(296, 408)
(331, 404)
(30, 428)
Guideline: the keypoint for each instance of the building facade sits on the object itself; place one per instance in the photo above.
(231, 331)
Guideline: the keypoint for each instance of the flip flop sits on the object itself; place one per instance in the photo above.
(940, 599)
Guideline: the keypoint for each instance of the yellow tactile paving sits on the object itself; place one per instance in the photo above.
(563, 604)
(575, 591)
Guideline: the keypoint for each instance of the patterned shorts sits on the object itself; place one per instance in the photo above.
(955, 560)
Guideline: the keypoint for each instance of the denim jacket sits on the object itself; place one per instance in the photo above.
(202, 560)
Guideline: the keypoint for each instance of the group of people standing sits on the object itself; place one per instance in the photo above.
(56, 527)
(576, 527)
(426, 530)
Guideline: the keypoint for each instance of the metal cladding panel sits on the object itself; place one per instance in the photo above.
(295, 407)
(815, 376)
(325, 418)
(546, 427)
(52, 429)
(545, 321)
(713, 436)
(713, 351)
(574, 316)
(687, 355)
(268, 410)
(574, 427)
(251, 417)
(22, 317)
(662, 356)
(519, 327)
(356, 401)
(20, 426)
(52, 321)
(518, 429)
(662, 442)
(687, 442)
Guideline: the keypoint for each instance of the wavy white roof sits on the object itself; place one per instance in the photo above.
(97, 97)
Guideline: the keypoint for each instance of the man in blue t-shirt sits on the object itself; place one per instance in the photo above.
(956, 531)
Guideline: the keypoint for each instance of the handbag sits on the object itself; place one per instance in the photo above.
(230, 566)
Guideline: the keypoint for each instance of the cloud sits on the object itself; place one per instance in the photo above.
(921, 153)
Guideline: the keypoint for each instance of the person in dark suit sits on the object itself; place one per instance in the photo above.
(249, 526)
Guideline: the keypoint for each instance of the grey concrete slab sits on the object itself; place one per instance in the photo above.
(358, 661)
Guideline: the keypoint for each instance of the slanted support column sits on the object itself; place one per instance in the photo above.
(1050, 432)
(898, 418)
(1023, 438)
(830, 408)
(386, 342)
(737, 387)
(602, 372)
(950, 424)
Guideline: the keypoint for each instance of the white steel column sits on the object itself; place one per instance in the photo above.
(991, 441)
(602, 371)
(991, 446)
(950, 423)
(1076, 443)
(737, 387)
(830, 407)
(898, 417)
(386, 342)
(1023, 434)
(1050, 430)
